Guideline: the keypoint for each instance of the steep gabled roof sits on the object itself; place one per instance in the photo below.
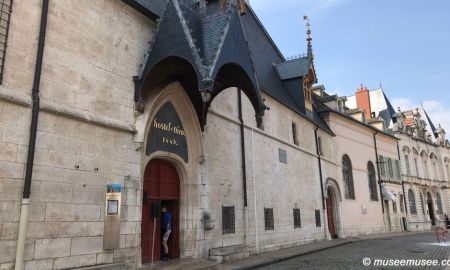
(208, 42)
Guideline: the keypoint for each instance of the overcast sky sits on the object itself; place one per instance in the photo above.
(402, 44)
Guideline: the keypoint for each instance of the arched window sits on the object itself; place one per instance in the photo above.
(382, 166)
(416, 165)
(439, 203)
(347, 172)
(408, 168)
(372, 182)
(412, 202)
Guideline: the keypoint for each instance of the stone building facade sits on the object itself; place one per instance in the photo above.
(356, 190)
(424, 161)
(183, 104)
(93, 130)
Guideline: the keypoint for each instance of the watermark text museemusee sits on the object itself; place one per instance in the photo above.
(404, 262)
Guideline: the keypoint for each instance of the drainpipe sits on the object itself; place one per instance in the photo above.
(254, 194)
(379, 172)
(319, 160)
(32, 142)
(244, 167)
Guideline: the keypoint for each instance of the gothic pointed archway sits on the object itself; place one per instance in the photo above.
(333, 198)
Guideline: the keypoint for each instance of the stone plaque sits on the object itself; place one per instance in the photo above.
(167, 133)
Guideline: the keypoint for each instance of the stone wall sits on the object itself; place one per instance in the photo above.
(93, 48)
(277, 185)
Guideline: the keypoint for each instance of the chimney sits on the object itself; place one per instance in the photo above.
(363, 101)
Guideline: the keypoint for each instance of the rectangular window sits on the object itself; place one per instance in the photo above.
(297, 221)
(390, 169)
(394, 206)
(268, 219)
(381, 165)
(228, 219)
(5, 14)
(294, 133)
(318, 223)
(282, 155)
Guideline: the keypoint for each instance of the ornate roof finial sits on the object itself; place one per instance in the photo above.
(309, 38)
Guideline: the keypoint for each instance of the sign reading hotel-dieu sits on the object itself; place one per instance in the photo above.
(167, 133)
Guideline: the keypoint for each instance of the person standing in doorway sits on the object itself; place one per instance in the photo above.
(166, 227)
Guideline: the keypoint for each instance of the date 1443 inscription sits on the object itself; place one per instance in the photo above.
(167, 133)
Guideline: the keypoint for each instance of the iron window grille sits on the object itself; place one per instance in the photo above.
(297, 221)
(5, 15)
(268, 219)
(228, 220)
(318, 223)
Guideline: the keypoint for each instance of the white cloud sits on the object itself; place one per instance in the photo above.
(403, 103)
(436, 110)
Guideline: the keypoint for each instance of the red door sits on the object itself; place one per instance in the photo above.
(330, 215)
(161, 187)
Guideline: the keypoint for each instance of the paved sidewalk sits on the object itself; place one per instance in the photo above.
(269, 258)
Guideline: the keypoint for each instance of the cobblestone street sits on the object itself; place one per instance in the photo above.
(350, 256)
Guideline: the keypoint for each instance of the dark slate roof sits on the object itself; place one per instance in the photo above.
(293, 68)
(387, 114)
(278, 78)
(432, 126)
(266, 56)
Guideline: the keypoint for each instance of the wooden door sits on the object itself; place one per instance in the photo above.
(330, 215)
(161, 186)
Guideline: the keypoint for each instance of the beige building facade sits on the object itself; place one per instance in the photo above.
(90, 135)
(190, 107)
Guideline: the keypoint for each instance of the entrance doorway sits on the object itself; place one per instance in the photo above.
(161, 188)
(331, 213)
(431, 209)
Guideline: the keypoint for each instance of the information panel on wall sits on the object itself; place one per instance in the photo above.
(167, 133)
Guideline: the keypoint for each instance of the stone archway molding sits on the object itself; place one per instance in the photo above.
(189, 172)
